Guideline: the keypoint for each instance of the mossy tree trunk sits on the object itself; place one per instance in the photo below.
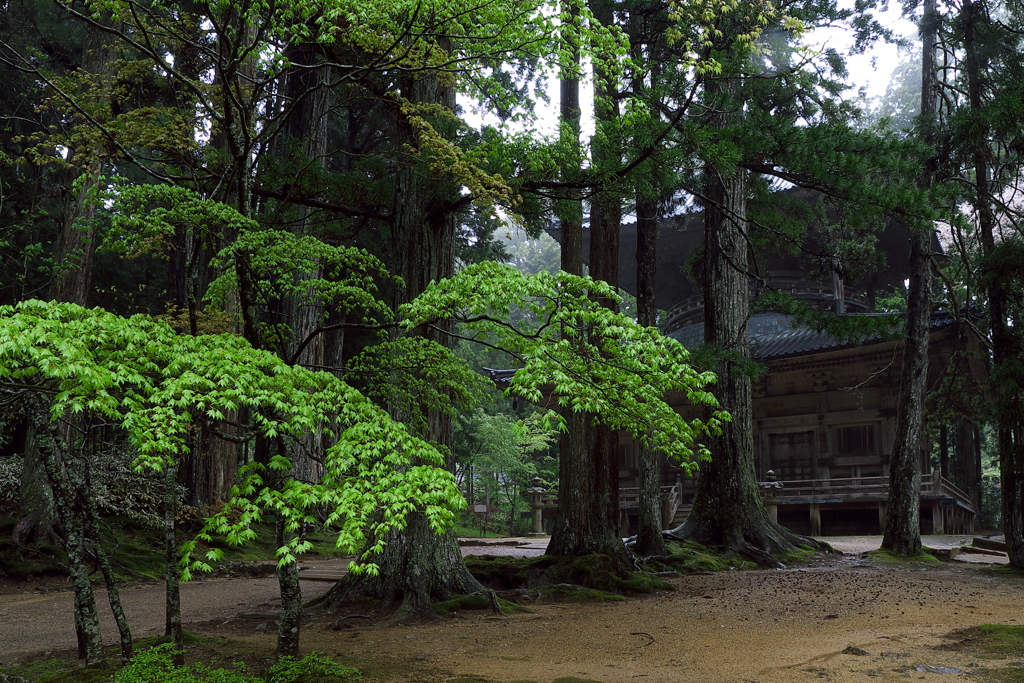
(172, 595)
(54, 452)
(92, 527)
(290, 620)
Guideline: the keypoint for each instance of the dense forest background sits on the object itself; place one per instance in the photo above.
(256, 245)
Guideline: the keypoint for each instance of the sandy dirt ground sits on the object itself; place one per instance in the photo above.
(841, 619)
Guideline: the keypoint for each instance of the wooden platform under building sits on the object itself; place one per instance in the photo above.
(828, 507)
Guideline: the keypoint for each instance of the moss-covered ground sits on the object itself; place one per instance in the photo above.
(998, 647)
(887, 558)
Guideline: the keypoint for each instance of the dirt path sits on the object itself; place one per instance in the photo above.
(771, 626)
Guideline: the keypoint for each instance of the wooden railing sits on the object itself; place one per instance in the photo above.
(671, 499)
(858, 488)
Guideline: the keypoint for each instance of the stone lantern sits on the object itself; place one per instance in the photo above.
(537, 493)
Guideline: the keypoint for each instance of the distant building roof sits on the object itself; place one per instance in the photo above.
(772, 336)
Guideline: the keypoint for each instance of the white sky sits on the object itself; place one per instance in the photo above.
(873, 69)
(870, 71)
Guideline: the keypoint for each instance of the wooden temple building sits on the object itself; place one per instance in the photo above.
(824, 409)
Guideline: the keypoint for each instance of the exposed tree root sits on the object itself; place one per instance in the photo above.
(763, 542)
(418, 568)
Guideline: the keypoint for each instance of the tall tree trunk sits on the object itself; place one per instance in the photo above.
(113, 592)
(649, 538)
(727, 508)
(1007, 399)
(73, 256)
(418, 565)
(290, 622)
(588, 490)
(573, 442)
(54, 451)
(902, 533)
(172, 595)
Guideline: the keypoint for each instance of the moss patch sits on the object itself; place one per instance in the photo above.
(803, 554)
(591, 577)
(992, 642)
(887, 558)
(506, 573)
(34, 671)
(599, 572)
(690, 557)
(473, 601)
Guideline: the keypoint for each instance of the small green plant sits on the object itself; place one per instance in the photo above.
(155, 666)
(313, 668)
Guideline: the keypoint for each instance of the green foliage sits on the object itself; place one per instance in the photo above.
(156, 384)
(145, 218)
(279, 264)
(579, 355)
(313, 668)
(504, 455)
(414, 376)
(155, 665)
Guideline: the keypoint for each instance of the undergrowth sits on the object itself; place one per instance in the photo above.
(155, 665)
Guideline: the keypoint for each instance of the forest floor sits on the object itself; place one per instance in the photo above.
(845, 617)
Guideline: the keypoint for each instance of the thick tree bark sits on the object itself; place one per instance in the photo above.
(727, 508)
(902, 533)
(574, 446)
(588, 487)
(418, 565)
(1009, 439)
(649, 538)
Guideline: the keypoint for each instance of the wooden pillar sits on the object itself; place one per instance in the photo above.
(881, 514)
(815, 519)
(937, 526)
